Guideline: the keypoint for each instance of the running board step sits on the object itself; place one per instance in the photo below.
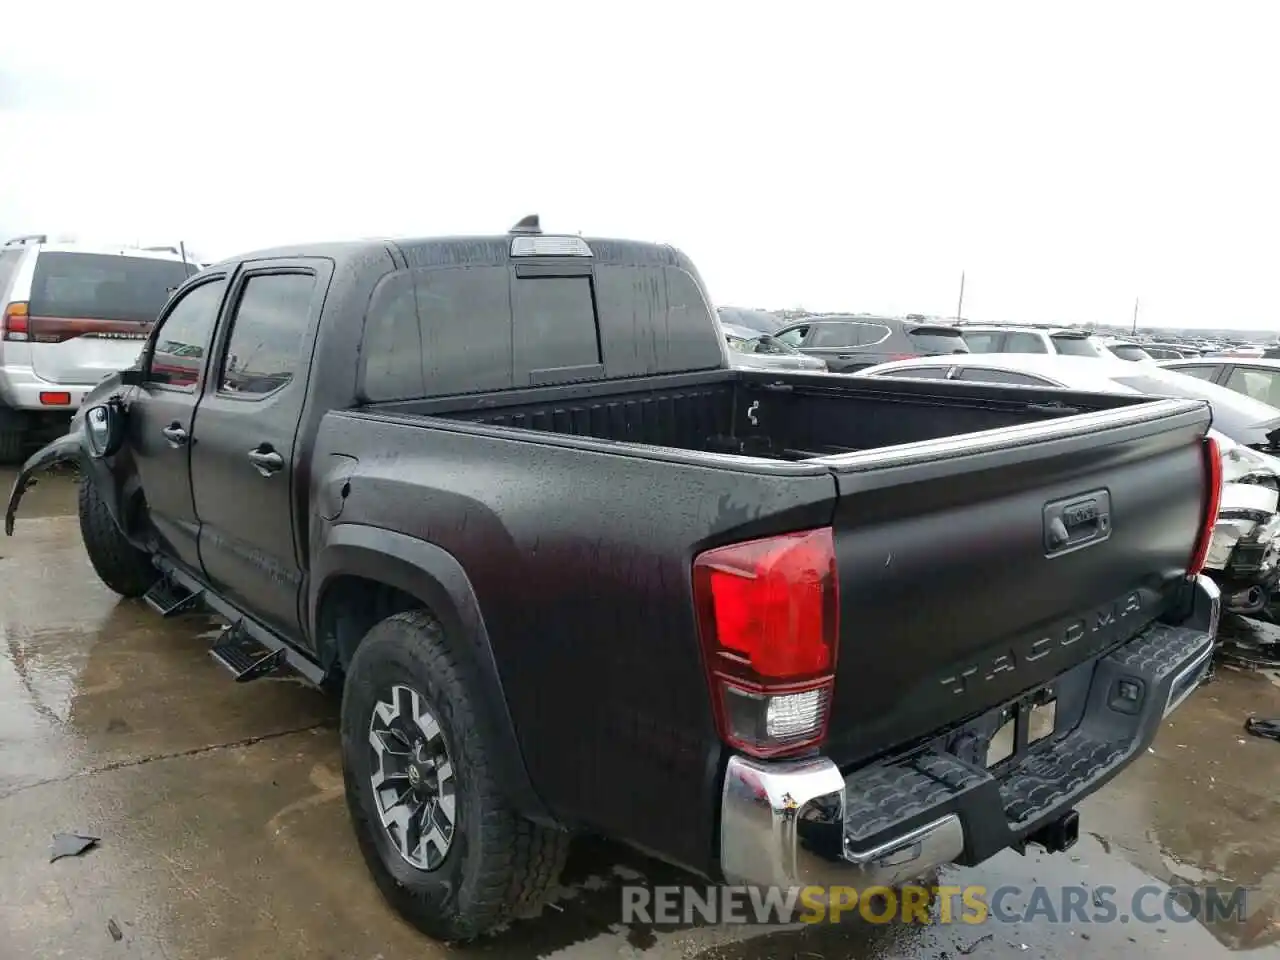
(170, 599)
(245, 657)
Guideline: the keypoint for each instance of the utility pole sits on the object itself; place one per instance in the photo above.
(960, 302)
(1135, 316)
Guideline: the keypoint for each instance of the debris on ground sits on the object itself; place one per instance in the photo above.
(113, 928)
(71, 845)
(974, 946)
(1248, 643)
(1270, 729)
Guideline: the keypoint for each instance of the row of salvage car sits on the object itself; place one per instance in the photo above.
(1245, 552)
(1245, 556)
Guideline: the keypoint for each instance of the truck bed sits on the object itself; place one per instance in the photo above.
(766, 414)
(577, 513)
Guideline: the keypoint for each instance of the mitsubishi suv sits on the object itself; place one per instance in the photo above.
(71, 315)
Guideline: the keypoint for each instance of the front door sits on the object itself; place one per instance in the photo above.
(162, 414)
(242, 462)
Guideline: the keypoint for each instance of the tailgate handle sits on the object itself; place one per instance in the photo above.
(1077, 522)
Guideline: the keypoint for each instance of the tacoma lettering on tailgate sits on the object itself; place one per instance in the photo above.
(1063, 636)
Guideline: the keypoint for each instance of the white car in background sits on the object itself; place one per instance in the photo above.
(1008, 338)
(1245, 555)
(70, 315)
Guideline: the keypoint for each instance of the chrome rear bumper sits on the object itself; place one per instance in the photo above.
(802, 823)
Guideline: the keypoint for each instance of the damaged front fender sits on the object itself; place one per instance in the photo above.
(73, 447)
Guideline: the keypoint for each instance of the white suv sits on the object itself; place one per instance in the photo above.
(982, 338)
(71, 315)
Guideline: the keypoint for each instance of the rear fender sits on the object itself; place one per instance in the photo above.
(434, 577)
(107, 474)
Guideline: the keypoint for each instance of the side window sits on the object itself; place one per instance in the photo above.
(266, 333)
(988, 342)
(869, 334)
(793, 337)
(392, 344)
(1203, 372)
(1252, 382)
(183, 337)
(834, 335)
(918, 373)
(1023, 342)
(554, 324)
(980, 375)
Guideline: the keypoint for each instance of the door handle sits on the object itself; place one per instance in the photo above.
(265, 460)
(175, 434)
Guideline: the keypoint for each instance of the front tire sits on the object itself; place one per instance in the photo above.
(118, 563)
(412, 728)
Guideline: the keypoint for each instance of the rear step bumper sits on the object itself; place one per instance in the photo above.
(801, 823)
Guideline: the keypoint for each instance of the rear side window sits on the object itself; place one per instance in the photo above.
(987, 375)
(1202, 372)
(935, 340)
(917, 373)
(103, 287)
(1262, 385)
(267, 331)
(986, 342)
(1075, 346)
(1023, 342)
(834, 335)
(554, 324)
(9, 260)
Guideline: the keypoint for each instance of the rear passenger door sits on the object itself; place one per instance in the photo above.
(247, 493)
(835, 342)
(1260, 383)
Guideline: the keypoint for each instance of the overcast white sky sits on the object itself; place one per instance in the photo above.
(837, 156)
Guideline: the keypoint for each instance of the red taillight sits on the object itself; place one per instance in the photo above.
(1212, 501)
(768, 616)
(55, 398)
(15, 321)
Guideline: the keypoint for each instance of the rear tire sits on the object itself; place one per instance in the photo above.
(118, 563)
(479, 863)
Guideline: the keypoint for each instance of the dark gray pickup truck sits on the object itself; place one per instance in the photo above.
(574, 574)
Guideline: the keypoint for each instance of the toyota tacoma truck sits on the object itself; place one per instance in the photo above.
(574, 574)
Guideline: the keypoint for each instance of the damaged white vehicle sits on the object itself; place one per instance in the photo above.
(1246, 544)
(1246, 541)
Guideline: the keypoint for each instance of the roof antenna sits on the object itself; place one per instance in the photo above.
(529, 224)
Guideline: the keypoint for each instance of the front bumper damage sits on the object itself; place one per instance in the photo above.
(803, 823)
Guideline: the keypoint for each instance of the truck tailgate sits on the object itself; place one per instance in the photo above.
(957, 593)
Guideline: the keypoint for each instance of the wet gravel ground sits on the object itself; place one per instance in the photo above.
(224, 832)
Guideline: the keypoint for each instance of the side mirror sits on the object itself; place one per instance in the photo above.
(104, 427)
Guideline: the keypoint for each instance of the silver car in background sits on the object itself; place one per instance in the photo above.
(1245, 555)
(753, 350)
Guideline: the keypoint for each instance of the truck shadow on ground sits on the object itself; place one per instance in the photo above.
(588, 908)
